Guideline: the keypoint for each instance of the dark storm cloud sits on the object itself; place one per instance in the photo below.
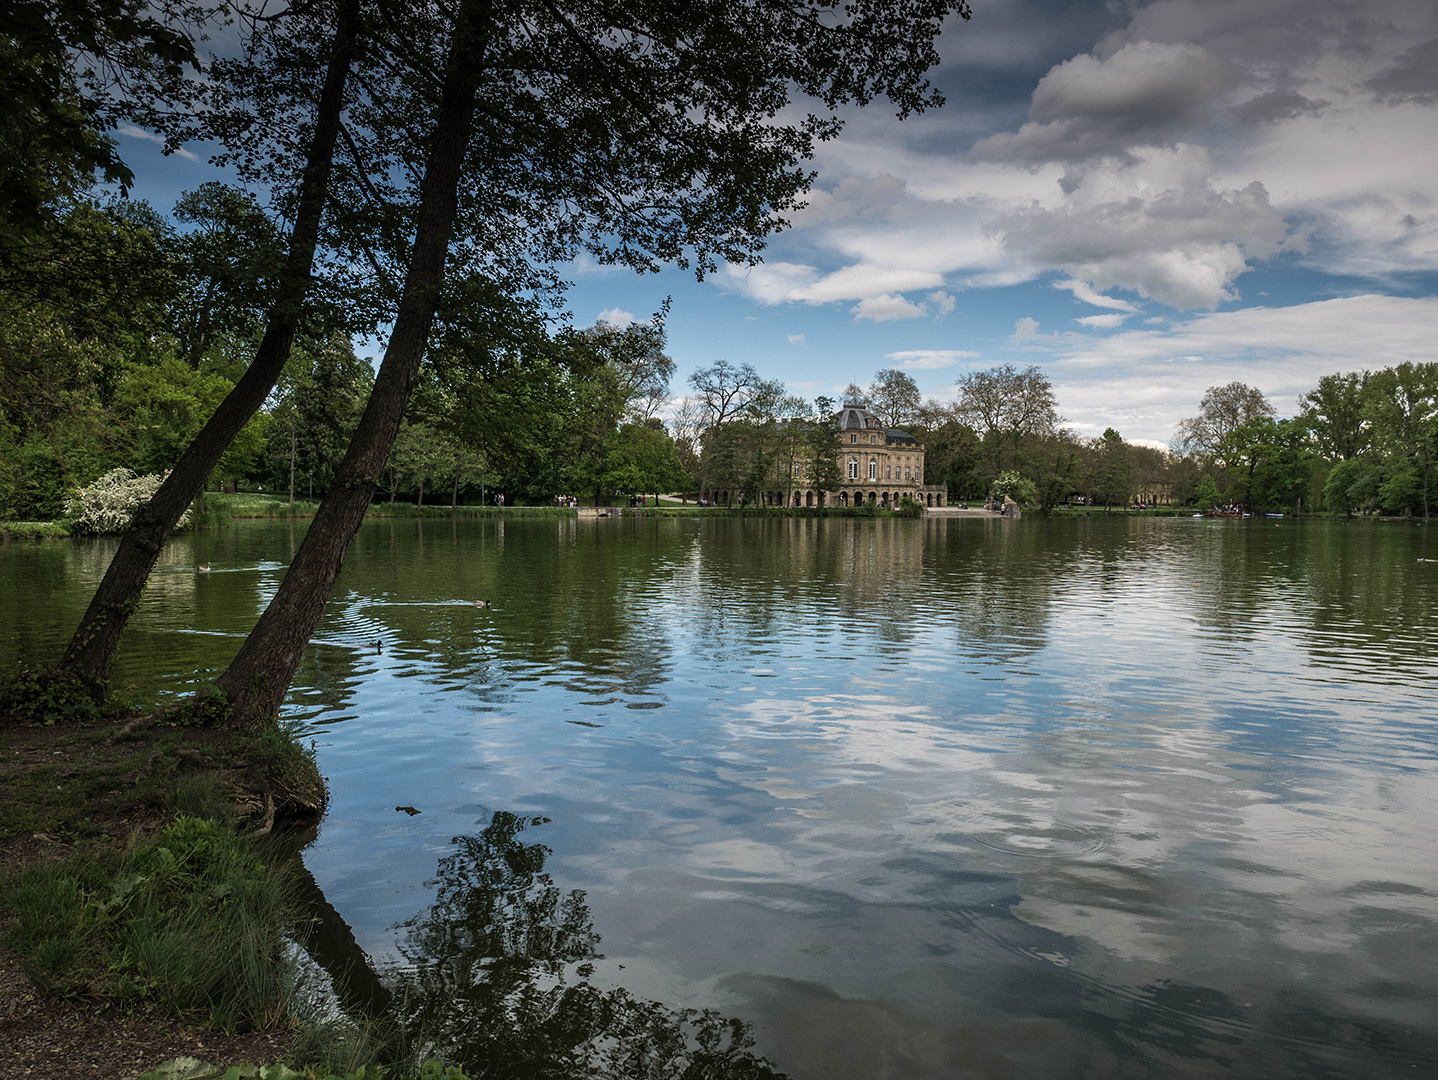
(1145, 94)
(1275, 106)
(1413, 78)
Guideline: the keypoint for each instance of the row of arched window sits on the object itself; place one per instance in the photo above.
(910, 473)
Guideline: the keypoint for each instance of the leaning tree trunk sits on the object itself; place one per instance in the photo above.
(256, 682)
(92, 649)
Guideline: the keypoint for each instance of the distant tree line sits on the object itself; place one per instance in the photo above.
(122, 329)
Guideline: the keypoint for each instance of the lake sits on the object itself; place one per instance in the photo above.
(914, 798)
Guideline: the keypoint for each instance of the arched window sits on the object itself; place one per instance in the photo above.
(853, 468)
(873, 469)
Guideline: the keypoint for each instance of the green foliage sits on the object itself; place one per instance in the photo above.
(64, 69)
(207, 708)
(189, 922)
(228, 262)
(49, 696)
(1113, 479)
(285, 762)
(163, 405)
(1206, 495)
(320, 398)
(643, 458)
(1008, 408)
(33, 530)
(1014, 485)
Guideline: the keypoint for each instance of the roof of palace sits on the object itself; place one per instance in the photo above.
(854, 416)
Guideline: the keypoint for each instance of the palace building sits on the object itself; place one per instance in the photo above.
(877, 466)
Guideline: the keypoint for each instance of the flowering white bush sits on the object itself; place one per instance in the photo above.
(107, 505)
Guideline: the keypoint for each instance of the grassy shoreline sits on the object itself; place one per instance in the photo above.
(148, 897)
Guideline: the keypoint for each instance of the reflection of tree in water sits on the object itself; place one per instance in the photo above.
(499, 980)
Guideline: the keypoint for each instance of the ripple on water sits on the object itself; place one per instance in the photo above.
(1010, 831)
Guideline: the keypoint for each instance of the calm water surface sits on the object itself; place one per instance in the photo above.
(935, 798)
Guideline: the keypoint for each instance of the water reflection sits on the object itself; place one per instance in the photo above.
(498, 973)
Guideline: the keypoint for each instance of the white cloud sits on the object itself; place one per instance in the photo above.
(929, 359)
(1102, 322)
(866, 281)
(1157, 226)
(130, 131)
(797, 339)
(617, 317)
(768, 283)
(878, 288)
(1026, 329)
(1083, 292)
(942, 301)
(887, 308)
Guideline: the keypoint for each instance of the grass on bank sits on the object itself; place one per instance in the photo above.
(189, 923)
(139, 872)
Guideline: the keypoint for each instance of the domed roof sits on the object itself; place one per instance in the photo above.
(852, 416)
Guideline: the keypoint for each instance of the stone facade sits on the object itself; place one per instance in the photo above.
(879, 464)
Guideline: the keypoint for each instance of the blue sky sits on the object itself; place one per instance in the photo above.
(1144, 199)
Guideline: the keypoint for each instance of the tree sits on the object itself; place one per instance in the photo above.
(1007, 408)
(66, 71)
(688, 424)
(418, 459)
(1334, 412)
(620, 373)
(894, 396)
(1223, 410)
(679, 110)
(1056, 468)
(1013, 485)
(951, 458)
(332, 395)
(99, 272)
(1272, 459)
(643, 459)
(855, 395)
(161, 406)
(1113, 478)
(229, 262)
(1401, 403)
(1008, 401)
(92, 647)
(1287, 467)
(1206, 495)
(723, 389)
